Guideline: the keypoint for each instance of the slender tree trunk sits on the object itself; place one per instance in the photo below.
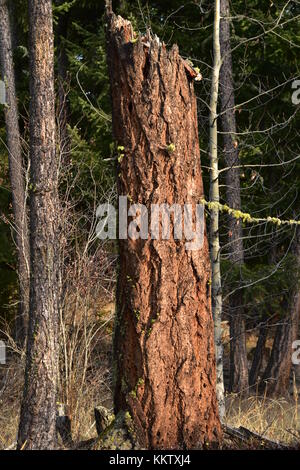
(38, 412)
(12, 8)
(63, 84)
(257, 366)
(16, 170)
(258, 354)
(275, 381)
(214, 214)
(164, 351)
(238, 352)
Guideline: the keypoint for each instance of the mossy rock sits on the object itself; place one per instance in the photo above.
(119, 435)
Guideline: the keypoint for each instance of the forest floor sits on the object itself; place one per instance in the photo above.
(277, 419)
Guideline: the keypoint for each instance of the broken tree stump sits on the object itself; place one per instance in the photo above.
(164, 351)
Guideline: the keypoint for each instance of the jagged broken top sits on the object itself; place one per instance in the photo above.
(126, 34)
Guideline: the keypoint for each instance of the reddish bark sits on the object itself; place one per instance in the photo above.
(164, 351)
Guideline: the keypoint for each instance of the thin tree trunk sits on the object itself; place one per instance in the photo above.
(38, 411)
(275, 381)
(16, 170)
(63, 84)
(238, 352)
(258, 354)
(12, 8)
(164, 352)
(214, 214)
(257, 366)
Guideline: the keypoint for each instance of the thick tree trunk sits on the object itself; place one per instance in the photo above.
(164, 350)
(238, 352)
(38, 412)
(275, 381)
(16, 170)
(216, 281)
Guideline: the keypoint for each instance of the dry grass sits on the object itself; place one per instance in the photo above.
(276, 419)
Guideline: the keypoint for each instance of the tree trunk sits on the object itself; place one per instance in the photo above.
(16, 171)
(214, 214)
(12, 9)
(258, 366)
(238, 352)
(63, 84)
(164, 350)
(38, 411)
(258, 354)
(275, 381)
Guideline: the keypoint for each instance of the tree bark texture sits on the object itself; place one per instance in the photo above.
(38, 411)
(164, 349)
(16, 170)
(238, 352)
